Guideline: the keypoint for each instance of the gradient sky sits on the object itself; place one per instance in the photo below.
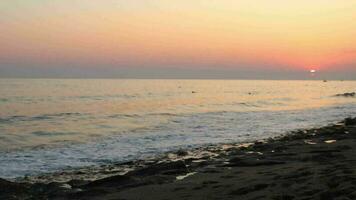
(178, 38)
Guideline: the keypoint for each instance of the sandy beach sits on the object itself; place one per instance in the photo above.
(307, 164)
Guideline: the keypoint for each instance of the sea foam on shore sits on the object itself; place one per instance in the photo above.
(307, 164)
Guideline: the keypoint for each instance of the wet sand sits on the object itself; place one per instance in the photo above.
(308, 164)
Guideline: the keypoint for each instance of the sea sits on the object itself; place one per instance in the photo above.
(49, 125)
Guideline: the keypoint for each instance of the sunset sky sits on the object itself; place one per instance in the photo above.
(178, 38)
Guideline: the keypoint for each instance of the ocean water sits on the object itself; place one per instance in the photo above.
(50, 125)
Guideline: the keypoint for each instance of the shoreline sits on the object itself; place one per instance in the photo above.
(256, 170)
(95, 172)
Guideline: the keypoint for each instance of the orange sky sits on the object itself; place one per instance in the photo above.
(299, 34)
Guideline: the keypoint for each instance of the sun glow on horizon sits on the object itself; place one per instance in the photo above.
(263, 35)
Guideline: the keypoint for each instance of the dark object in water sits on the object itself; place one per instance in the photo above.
(347, 94)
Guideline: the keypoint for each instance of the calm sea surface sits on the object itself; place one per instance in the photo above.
(49, 125)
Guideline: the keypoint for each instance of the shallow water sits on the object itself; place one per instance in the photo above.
(48, 125)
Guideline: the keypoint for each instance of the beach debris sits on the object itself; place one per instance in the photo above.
(309, 142)
(179, 178)
(182, 152)
(329, 141)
